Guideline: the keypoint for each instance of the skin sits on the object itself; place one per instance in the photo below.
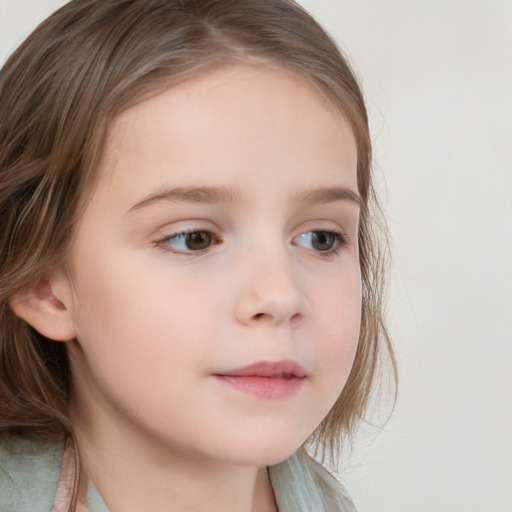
(150, 321)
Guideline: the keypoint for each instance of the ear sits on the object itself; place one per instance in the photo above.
(48, 314)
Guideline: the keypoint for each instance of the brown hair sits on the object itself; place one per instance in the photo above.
(60, 91)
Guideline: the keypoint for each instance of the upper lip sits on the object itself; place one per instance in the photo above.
(276, 369)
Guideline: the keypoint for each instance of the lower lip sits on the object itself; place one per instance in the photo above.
(264, 387)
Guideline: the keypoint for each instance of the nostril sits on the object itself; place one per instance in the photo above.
(296, 318)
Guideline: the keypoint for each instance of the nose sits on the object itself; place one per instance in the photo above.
(270, 295)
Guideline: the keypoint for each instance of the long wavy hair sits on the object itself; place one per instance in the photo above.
(60, 92)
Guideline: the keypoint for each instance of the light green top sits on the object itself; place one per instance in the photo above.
(29, 473)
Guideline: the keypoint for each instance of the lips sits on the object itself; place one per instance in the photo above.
(267, 380)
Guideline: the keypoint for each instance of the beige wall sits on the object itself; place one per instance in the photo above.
(438, 80)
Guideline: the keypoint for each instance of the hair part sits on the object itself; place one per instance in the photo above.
(59, 94)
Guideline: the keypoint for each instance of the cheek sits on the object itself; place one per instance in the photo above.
(140, 318)
(134, 325)
(125, 317)
(340, 325)
(141, 347)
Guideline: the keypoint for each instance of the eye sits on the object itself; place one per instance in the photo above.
(321, 241)
(188, 242)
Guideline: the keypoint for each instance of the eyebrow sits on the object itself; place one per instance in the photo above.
(200, 195)
(212, 195)
(329, 195)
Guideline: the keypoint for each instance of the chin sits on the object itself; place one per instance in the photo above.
(264, 452)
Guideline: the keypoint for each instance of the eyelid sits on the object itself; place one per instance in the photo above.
(341, 240)
(164, 244)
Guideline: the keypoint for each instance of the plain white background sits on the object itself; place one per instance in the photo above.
(437, 77)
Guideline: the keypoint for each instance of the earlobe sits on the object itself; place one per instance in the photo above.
(40, 308)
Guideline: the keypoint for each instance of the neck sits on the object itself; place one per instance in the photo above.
(131, 478)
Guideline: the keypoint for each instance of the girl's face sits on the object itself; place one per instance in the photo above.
(222, 235)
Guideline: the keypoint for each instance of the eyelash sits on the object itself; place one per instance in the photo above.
(341, 242)
(165, 246)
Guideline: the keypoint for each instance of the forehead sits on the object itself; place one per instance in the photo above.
(238, 120)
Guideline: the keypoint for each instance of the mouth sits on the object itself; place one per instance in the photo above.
(267, 380)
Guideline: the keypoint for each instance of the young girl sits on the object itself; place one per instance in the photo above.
(190, 274)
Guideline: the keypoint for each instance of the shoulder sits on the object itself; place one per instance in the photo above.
(302, 484)
(29, 472)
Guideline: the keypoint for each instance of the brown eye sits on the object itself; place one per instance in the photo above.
(184, 243)
(198, 240)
